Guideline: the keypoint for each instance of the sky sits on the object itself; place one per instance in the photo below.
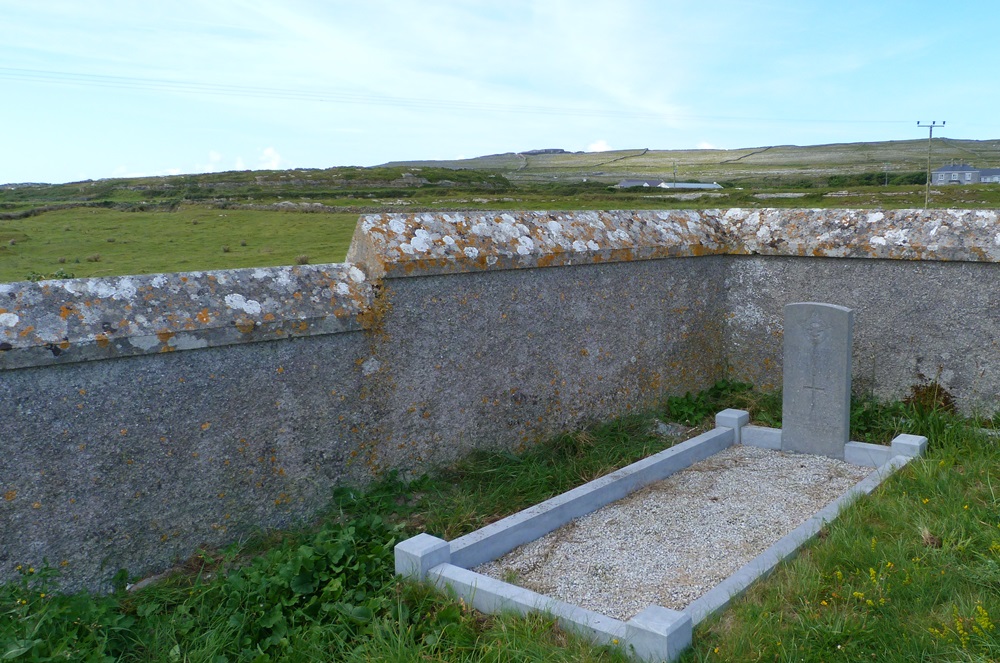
(116, 88)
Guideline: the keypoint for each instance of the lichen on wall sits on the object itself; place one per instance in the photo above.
(424, 244)
(936, 235)
(452, 242)
(73, 320)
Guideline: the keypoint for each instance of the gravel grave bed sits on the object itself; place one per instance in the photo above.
(672, 541)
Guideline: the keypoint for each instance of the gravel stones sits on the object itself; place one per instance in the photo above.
(674, 540)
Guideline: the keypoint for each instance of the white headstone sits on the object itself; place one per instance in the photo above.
(816, 403)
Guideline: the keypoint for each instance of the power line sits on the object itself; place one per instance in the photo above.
(64, 78)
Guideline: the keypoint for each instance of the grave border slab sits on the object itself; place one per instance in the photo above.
(656, 633)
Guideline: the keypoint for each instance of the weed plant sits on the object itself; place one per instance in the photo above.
(911, 573)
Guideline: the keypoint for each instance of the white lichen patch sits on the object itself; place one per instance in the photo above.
(110, 289)
(240, 303)
(8, 319)
(356, 274)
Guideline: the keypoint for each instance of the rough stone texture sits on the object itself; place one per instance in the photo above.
(506, 358)
(816, 380)
(913, 322)
(136, 462)
(63, 321)
(945, 235)
(422, 244)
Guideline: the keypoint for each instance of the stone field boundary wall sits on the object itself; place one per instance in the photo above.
(144, 416)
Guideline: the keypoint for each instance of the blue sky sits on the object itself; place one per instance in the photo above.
(119, 87)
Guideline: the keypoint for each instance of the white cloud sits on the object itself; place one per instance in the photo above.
(705, 145)
(269, 159)
(214, 164)
(239, 165)
(599, 146)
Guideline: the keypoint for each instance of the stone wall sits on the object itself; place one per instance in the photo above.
(144, 416)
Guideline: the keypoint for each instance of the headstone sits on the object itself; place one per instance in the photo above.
(816, 404)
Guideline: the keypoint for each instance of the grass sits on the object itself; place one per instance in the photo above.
(190, 239)
(911, 573)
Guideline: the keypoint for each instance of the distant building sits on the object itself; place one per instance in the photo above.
(660, 184)
(964, 174)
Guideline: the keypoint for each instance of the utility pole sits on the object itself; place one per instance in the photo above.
(930, 136)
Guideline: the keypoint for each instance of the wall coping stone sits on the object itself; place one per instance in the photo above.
(422, 244)
(71, 320)
(64, 321)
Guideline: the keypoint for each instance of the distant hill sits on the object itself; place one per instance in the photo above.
(782, 162)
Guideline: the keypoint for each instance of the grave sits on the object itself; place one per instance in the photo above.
(816, 410)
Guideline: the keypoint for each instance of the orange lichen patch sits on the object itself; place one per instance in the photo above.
(280, 369)
(27, 330)
(66, 310)
(269, 317)
(165, 335)
(36, 505)
(206, 425)
(10, 495)
(64, 345)
(245, 325)
(297, 295)
(203, 316)
(102, 340)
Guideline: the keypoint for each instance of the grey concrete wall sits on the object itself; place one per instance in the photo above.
(143, 416)
(913, 321)
(136, 462)
(507, 358)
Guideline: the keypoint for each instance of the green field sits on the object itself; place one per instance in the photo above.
(100, 242)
